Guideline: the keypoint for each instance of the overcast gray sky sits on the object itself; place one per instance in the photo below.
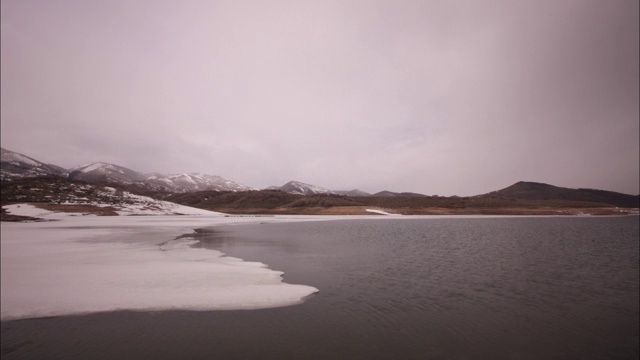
(436, 97)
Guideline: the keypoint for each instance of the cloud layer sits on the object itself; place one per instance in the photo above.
(436, 97)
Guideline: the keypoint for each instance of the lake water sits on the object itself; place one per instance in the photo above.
(458, 288)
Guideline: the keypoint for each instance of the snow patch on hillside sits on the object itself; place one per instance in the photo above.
(300, 188)
(14, 158)
(143, 205)
(96, 166)
(381, 212)
(195, 182)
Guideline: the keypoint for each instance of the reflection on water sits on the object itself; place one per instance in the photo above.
(506, 288)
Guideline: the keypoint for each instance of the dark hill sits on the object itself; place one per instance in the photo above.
(525, 190)
(388, 193)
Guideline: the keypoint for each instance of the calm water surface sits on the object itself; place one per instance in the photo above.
(483, 288)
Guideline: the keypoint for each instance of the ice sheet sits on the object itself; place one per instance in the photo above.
(93, 264)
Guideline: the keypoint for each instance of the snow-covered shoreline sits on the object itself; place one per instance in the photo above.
(84, 264)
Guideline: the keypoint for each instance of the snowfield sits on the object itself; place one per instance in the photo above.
(84, 264)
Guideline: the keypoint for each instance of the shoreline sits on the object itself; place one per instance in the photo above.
(47, 212)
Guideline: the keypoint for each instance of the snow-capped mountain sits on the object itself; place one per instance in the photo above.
(194, 182)
(105, 172)
(300, 188)
(15, 165)
(110, 173)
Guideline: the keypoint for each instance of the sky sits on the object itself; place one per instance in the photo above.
(435, 97)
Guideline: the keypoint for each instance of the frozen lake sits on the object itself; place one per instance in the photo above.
(443, 288)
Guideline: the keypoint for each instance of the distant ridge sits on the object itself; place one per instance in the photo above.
(300, 188)
(391, 193)
(526, 190)
(354, 192)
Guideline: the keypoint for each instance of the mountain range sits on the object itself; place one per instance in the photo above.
(18, 166)
(15, 165)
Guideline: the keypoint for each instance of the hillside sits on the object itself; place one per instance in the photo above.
(105, 172)
(56, 194)
(524, 190)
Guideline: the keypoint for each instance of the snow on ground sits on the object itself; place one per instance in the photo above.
(94, 263)
(30, 210)
(143, 205)
(379, 212)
